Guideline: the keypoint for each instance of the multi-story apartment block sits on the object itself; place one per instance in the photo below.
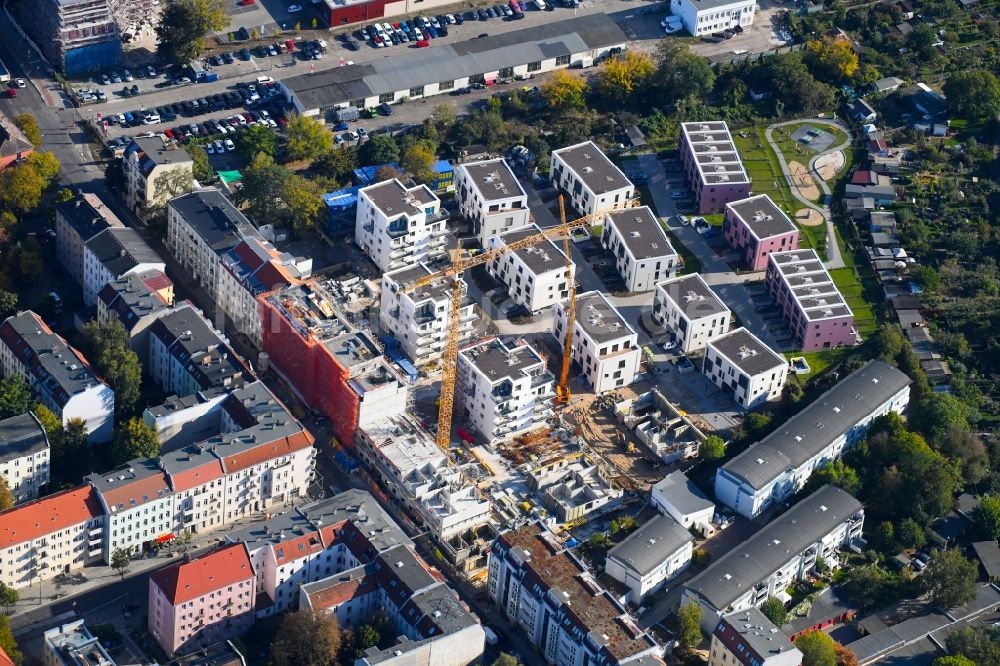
(397, 225)
(72, 644)
(187, 355)
(537, 276)
(334, 367)
(491, 198)
(50, 536)
(714, 169)
(779, 465)
(252, 268)
(411, 467)
(208, 599)
(703, 17)
(57, 373)
(147, 161)
(24, 456)
(592, 182)
(643, 254)
(546, 592)
(77, 221)
(739, 363)
(505, 390)
(136, 301)
(812, 306)
(138, 504)
(76, 36)
(656, 552)
(434, 625)
(690, 311)
(756, 227)
(115, 253)
(219, 247)
(418, 320)
(748, 638)
(604, 345)
(784, 551)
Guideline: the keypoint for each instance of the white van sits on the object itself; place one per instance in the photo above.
(540, 4)
(264, 79)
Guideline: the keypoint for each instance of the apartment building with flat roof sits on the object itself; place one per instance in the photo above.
(690, 311)
(592, 183)
(712, 165)
(537, 276)
(755, 227)
(491, 198)
(605, 345)
(398, 226)
(643, 253)
(813, 308)
(744, 367)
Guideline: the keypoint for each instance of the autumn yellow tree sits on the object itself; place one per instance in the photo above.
(563, 90)
(832, 59)
(623, 75)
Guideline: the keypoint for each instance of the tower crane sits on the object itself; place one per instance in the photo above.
(449, 361)
(562, 390)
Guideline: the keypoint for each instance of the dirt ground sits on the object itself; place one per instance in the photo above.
(803, 180)
(829, 164)
(808, 217)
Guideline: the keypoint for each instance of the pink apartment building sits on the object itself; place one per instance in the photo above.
(756, 227)
(713, 168)
(206, 600)
(812, 306)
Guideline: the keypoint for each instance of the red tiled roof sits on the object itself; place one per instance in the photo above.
(157, 281)
(185, 581)
(297, 548)
(335, 595)
(4, 659)
(49, 514)
(864, 177)
(192, 478)
(267, 451)
(128, 494)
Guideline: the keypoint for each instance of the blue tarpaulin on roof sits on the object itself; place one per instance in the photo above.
(395, 355)
(345, 461)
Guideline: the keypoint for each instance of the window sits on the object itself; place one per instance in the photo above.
(534, 66)
(387, 98)
(446, 85)
(506, 72)
(562, 60)
(417, 92)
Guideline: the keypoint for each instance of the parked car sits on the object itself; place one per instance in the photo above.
(423, 43)
(385, 109)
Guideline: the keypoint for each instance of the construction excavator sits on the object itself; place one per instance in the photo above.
(460, 264)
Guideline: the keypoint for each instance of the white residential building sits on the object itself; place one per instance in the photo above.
(72, 644)
(536, 276)
(491, 198)
(656, 552)
(784, 551)
(407, 460)
(419, 319)
(149, 164)
(24, 456)
(112, 254)
(57, 373)
(643, 254)
(592, 183)
(564, 613)
(779, 465)
(741, 364)
(56, 534)
(604, 344)
(703, 17)
(505, 390)
(138, 504)
(678, 497)
(690, 312)
(399, 226)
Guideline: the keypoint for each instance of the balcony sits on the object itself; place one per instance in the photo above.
(400, 252)
(542, 379)
(424, 317)
(368, 228)
(396, 231)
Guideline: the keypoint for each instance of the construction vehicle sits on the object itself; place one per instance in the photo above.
(460, 264)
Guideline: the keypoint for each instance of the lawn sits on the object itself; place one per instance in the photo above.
(692, 264)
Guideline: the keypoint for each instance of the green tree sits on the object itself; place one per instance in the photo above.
(120, 561)
(8, 596)
(832, 59)
(379, 149)
(6, 498)
(306, 639)
(835, 473)
(107, 348)
(47, 166)
(15, 396)
(936, 413)
(987, 517)
(774, 610)
(21, 188)
(7, 642)
(263, 182)
(134, 439)
(700, 558)
(303, 199)
(29, 259)
(307, 138)
(29, 126)
(689, 618)
(620, 76)
(949, 579)
(257, 139)
(973, 94)
(183, 26)
(506, 659)
(418, 161)
(981, 646)
(885, 536)
(8, 304)
(953, 660)
(681, 74)
(910, 534)
(564, 91)
(817, 649)
(337, 164)
(201, 169)
(713, 448)
(926, 277)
